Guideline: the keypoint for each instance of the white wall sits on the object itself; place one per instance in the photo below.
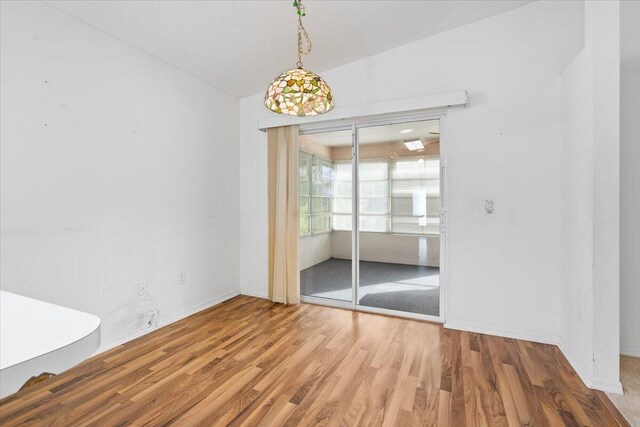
(504, 273)
(630, 208)
(590, 209)
(116, 169)
(380, 247)
(314, 249)
(629, 178)
(394, 248)
(577, 215)
(602, 34)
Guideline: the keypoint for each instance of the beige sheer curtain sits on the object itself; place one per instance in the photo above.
(284, 271)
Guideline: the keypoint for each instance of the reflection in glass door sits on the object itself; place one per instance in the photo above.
(399, 218)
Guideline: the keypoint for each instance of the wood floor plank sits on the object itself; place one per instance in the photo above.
(250, 362)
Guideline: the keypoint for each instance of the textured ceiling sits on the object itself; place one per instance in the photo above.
(240, 46)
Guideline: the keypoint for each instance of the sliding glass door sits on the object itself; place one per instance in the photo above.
(399, 218)
(370, 211)
(326, 270)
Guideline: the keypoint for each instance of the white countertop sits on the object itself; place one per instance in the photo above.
(30, 328)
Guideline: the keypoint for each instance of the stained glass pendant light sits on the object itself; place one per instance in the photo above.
(299, 92)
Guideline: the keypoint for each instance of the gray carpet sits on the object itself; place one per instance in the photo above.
(385, 285)
(629, 403)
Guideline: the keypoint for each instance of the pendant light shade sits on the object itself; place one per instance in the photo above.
(299, 92)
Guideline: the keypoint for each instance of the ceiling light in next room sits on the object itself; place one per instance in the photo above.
(414, 145)
(406, 131)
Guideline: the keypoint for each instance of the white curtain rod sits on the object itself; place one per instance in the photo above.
(368, 111)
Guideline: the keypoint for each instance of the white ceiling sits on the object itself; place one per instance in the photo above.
(240, 46)
(427, 131)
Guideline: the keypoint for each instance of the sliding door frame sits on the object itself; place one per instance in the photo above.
(355, 125)
(355, 216)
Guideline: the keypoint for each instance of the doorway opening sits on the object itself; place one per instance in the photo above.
(372, 234)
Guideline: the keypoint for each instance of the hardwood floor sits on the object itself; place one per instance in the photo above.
(250, 362)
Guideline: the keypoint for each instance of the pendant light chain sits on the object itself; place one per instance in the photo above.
(299, 92)
(303, 37)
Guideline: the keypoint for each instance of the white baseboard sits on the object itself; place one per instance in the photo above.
(317, 262)
(630, 351)
(164, 322)
(577, 366)
(515, 334)
(254, 294)
(607, 386)
(588, 379)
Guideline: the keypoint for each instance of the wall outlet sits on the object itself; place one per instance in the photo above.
(142, 288)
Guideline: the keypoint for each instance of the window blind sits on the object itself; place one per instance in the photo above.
(342, 203)
(415, 196)
(374, 196)
(398, 196)
(322, 176)
(305, 202)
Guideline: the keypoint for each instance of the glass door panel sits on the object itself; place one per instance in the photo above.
(399, 217)
(325, 242)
